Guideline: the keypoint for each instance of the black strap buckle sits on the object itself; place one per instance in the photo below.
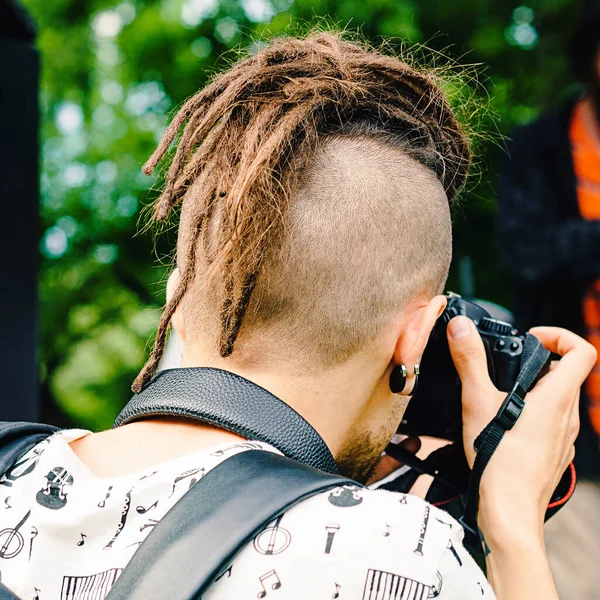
(511, 408)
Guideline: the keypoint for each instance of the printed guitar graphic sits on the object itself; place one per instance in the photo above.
(11, 540)
(53, 495)
(273, 540)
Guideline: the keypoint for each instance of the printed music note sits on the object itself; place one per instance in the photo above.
(141, 510)
(274, 586)
(403, 499)
(37, 593)
(337, 591)
(34, 532)
(6, 504)
(81, 542)
(387, 530)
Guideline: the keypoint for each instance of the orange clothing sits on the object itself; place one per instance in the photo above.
(585, 150)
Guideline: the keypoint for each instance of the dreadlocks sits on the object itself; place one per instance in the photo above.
(248, 137)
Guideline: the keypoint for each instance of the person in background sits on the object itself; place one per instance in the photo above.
(549, 220)
(549, 225)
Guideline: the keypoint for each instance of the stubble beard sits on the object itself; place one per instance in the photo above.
(359, 457)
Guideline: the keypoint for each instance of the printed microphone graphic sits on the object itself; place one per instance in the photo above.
(331, 530)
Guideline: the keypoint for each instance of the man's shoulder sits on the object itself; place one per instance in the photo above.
(391, 527)
(347, 540)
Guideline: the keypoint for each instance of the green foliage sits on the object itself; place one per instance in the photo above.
(113, 72)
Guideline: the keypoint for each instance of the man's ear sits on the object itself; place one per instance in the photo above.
(177, 321)
(418, 323)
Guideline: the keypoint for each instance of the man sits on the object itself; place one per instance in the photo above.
(315, 179)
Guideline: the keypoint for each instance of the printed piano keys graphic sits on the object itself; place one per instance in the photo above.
(88, 587)
(380, 585)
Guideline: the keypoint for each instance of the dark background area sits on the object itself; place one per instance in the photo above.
(19, 193)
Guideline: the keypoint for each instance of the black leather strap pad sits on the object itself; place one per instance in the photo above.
(194, 543)
(231, 402)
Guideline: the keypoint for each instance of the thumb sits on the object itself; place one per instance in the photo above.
(468, 355)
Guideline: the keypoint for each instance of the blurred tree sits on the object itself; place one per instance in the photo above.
(112, 72)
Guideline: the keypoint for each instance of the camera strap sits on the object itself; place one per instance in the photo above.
(534, 359)
(231, 402)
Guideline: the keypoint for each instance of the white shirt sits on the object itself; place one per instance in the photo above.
(66, 534)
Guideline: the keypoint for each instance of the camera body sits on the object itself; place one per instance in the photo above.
(435, 408)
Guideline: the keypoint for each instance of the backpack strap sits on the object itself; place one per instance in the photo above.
(17, 438)
(195, 542)
(6, 594)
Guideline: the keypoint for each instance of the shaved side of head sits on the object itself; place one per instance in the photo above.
(367, 230)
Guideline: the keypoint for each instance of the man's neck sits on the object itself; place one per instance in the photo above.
(332, 401)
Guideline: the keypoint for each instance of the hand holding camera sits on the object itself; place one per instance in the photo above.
(469, 365)
(521, 476)
(527, 466)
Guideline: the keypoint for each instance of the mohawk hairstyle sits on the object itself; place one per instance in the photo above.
(248, 135)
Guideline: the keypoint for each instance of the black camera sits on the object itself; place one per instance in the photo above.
(435, 408)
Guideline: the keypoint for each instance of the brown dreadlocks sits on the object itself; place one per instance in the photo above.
(249, 135)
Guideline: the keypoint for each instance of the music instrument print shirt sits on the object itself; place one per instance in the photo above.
(66, 534)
